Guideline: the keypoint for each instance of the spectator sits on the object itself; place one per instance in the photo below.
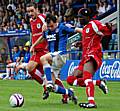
(11, 6)
(114, 3)
(76, 22)
(3, 55)
(107, 6)
(10, 67)
(101, 8)
(69, 17)
(1, 15)
(22, 53)
(24, 24)
(25, 61)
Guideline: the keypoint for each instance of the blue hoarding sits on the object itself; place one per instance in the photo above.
(110, 69)
(14, 33)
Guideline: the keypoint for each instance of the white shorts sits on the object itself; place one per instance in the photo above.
(24, 64)
(58, 62)
(12, 65)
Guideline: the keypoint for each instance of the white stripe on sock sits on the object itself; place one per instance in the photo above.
(56, 88)
(46, 65)
(90, 98)
(94, 82)
(75, 83)
(86, 81)
(67, 91)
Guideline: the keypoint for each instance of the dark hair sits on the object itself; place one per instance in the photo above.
(32, 4)
(50, 17)
(16, 46)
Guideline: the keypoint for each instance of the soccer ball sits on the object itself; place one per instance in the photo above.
(16, 100)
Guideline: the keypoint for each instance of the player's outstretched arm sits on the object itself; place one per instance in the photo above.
(39, 40)
(78, 30)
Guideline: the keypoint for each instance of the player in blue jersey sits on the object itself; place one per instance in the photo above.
(52, 38)
(57, 39)
(10, 67)
(25, 61)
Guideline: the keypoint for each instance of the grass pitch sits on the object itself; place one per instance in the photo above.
(32, 93)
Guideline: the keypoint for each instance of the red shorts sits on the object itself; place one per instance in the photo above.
(36, 58)
(96, 56)
(37, 55)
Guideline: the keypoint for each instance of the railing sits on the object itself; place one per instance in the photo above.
(107, 54)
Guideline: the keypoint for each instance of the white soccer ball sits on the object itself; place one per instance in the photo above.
(16, 100)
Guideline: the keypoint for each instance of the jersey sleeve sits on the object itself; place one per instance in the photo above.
(102, 28)
(67, 29)
(45, 33)
(26, 59)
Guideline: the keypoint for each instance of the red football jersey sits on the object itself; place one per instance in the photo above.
(36, 27)
(92, 35)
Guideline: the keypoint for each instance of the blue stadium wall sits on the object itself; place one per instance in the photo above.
(110, 69)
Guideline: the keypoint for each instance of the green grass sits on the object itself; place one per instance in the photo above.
(32, 93)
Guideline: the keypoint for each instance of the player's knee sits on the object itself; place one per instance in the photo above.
(87, 77)
(45, 59)
(42, 59)
(77, 73)
(30, 68)
(70, 80)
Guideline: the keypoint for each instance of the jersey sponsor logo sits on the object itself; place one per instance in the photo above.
(57, 30)
(38, 26)
(51, 37)
(110, 70)
(87, 30)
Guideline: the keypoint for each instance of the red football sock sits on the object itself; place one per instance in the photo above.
(59, 82)
(37, 76)
(44, 87)
(89, 86)
(98, 82)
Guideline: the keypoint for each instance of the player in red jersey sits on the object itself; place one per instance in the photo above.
(38, 48)
(92, 33)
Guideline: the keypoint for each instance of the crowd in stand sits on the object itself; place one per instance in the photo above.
(13, 14)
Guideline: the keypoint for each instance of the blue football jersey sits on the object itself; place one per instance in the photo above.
(57, 39)
(15, 56)
(27, 57)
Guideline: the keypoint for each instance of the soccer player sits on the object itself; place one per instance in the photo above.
(25, 61)
(10, 67)
(92, 33)
(38, 48)
(57, 39)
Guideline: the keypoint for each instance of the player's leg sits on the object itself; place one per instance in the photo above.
(10, 70)
(88, 72)
(23, 67)
(77, 80)
(58, 82)
(35, 74)
(60, 90)
(57, 63)
(102, 85)
(46, 66)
